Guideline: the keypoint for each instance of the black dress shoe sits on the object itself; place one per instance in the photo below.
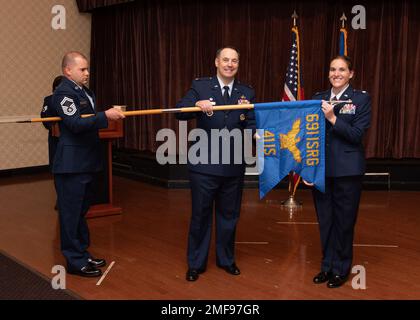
(97, 262)
(322, 277)
(192, 274)
(86, 271)
(232, 269)
(336, 281)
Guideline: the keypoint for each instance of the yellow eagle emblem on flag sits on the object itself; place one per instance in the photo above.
(288, 141)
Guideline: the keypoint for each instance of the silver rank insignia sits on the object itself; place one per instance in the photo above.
(69, 108)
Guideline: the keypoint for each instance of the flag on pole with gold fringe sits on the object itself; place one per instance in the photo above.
(293, 87)
(342, 44)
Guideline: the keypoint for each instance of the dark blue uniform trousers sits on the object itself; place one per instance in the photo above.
(226, 194)
(74, 193)
(337, 213)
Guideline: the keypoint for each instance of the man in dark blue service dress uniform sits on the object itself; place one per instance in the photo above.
(76, 161)
(337, 208)
(48, 111)
(216, 183)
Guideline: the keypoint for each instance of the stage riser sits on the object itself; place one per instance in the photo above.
(402, 174)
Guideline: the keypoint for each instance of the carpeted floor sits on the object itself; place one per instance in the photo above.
(18, 282)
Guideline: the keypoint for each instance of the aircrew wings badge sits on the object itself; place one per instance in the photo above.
(243, 100)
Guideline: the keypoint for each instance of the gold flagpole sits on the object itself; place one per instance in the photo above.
(291, 203)
(28, 119)
(128, 113)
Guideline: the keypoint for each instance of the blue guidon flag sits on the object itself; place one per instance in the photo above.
(293, 140)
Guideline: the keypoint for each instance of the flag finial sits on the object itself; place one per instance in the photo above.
(294, 16)
(343, 20)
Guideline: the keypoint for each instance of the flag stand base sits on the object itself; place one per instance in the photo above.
(291, 203)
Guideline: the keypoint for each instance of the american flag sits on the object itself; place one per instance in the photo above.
(293, 89)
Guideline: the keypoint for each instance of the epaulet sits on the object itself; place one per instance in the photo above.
(360, 91)
(244, 84)
(66, 89)
(203, 79)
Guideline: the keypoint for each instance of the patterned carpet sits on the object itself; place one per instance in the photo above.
(18, 282)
